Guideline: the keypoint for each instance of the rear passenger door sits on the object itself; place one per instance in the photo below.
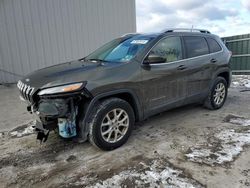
(198, 61)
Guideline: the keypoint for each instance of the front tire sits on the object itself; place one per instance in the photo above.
(111, 124)
(217, 95)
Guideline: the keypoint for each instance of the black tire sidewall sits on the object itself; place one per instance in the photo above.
(216, 82)
(96, 129)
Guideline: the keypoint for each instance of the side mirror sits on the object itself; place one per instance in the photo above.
(152, 58)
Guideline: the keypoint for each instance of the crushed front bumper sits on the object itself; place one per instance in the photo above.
(56, 114)
(49, 110)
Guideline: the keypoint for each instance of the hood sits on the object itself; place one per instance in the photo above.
(70, 72)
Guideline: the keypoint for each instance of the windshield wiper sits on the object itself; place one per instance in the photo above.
(82, 59)
(101, 60)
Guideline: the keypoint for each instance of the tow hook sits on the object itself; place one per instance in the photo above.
(42, 134)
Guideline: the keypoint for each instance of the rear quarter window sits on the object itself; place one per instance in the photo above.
(213, 45)
(195, 46)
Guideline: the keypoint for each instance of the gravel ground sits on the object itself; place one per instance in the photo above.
(185, 147)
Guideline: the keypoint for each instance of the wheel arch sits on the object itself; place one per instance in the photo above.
(125, 94)
(225, 73)
(128, 96)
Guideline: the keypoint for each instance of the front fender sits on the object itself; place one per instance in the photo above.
(88, 109)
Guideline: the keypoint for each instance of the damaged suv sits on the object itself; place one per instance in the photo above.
(100, 97)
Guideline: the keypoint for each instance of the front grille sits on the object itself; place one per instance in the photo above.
(25, 90)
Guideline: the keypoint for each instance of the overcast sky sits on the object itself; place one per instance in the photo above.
(221, 17)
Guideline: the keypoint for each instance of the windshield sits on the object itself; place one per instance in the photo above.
(120, 50)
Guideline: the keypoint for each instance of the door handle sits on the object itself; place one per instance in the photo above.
(181, 67)
(213, 60)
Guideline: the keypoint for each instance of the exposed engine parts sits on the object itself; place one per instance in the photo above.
(58, 114)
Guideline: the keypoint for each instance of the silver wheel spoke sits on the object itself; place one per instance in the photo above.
(120, 113)
(118, 131)
(123, 119)
(105, 124)
(115, 139)
(115, 115)
(123, 125)
(218, 100)
(108, 131)
(109, 120)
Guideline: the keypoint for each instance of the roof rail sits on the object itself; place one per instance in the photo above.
(127, 34)
(185, 30)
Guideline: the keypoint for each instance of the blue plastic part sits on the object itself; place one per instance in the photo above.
(67, 128)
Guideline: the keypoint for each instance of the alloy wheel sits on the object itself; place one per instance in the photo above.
(219, 94)
(114, 125)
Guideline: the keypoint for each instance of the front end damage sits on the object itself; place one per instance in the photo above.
(56, 114)
(63, 112)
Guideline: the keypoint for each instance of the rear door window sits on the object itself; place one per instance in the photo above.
(213, 45)
(195, 46)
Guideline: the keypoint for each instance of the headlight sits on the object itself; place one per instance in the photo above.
(61, 89)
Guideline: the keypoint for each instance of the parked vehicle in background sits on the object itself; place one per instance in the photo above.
(100, 97)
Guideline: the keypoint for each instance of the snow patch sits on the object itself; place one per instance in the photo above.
(248, 84)
(229, 144)
(235, 84)
(23, 130)
(240, 121)
(237, 120)
(241, 80)
(156, 175)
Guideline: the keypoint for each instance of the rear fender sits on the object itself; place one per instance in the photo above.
(219, 71)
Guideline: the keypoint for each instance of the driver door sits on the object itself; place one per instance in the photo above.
(164, 83)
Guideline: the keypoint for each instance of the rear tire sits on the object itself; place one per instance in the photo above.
(217, 95)
(111, 124)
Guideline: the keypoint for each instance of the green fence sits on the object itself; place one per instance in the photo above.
(240, 47)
